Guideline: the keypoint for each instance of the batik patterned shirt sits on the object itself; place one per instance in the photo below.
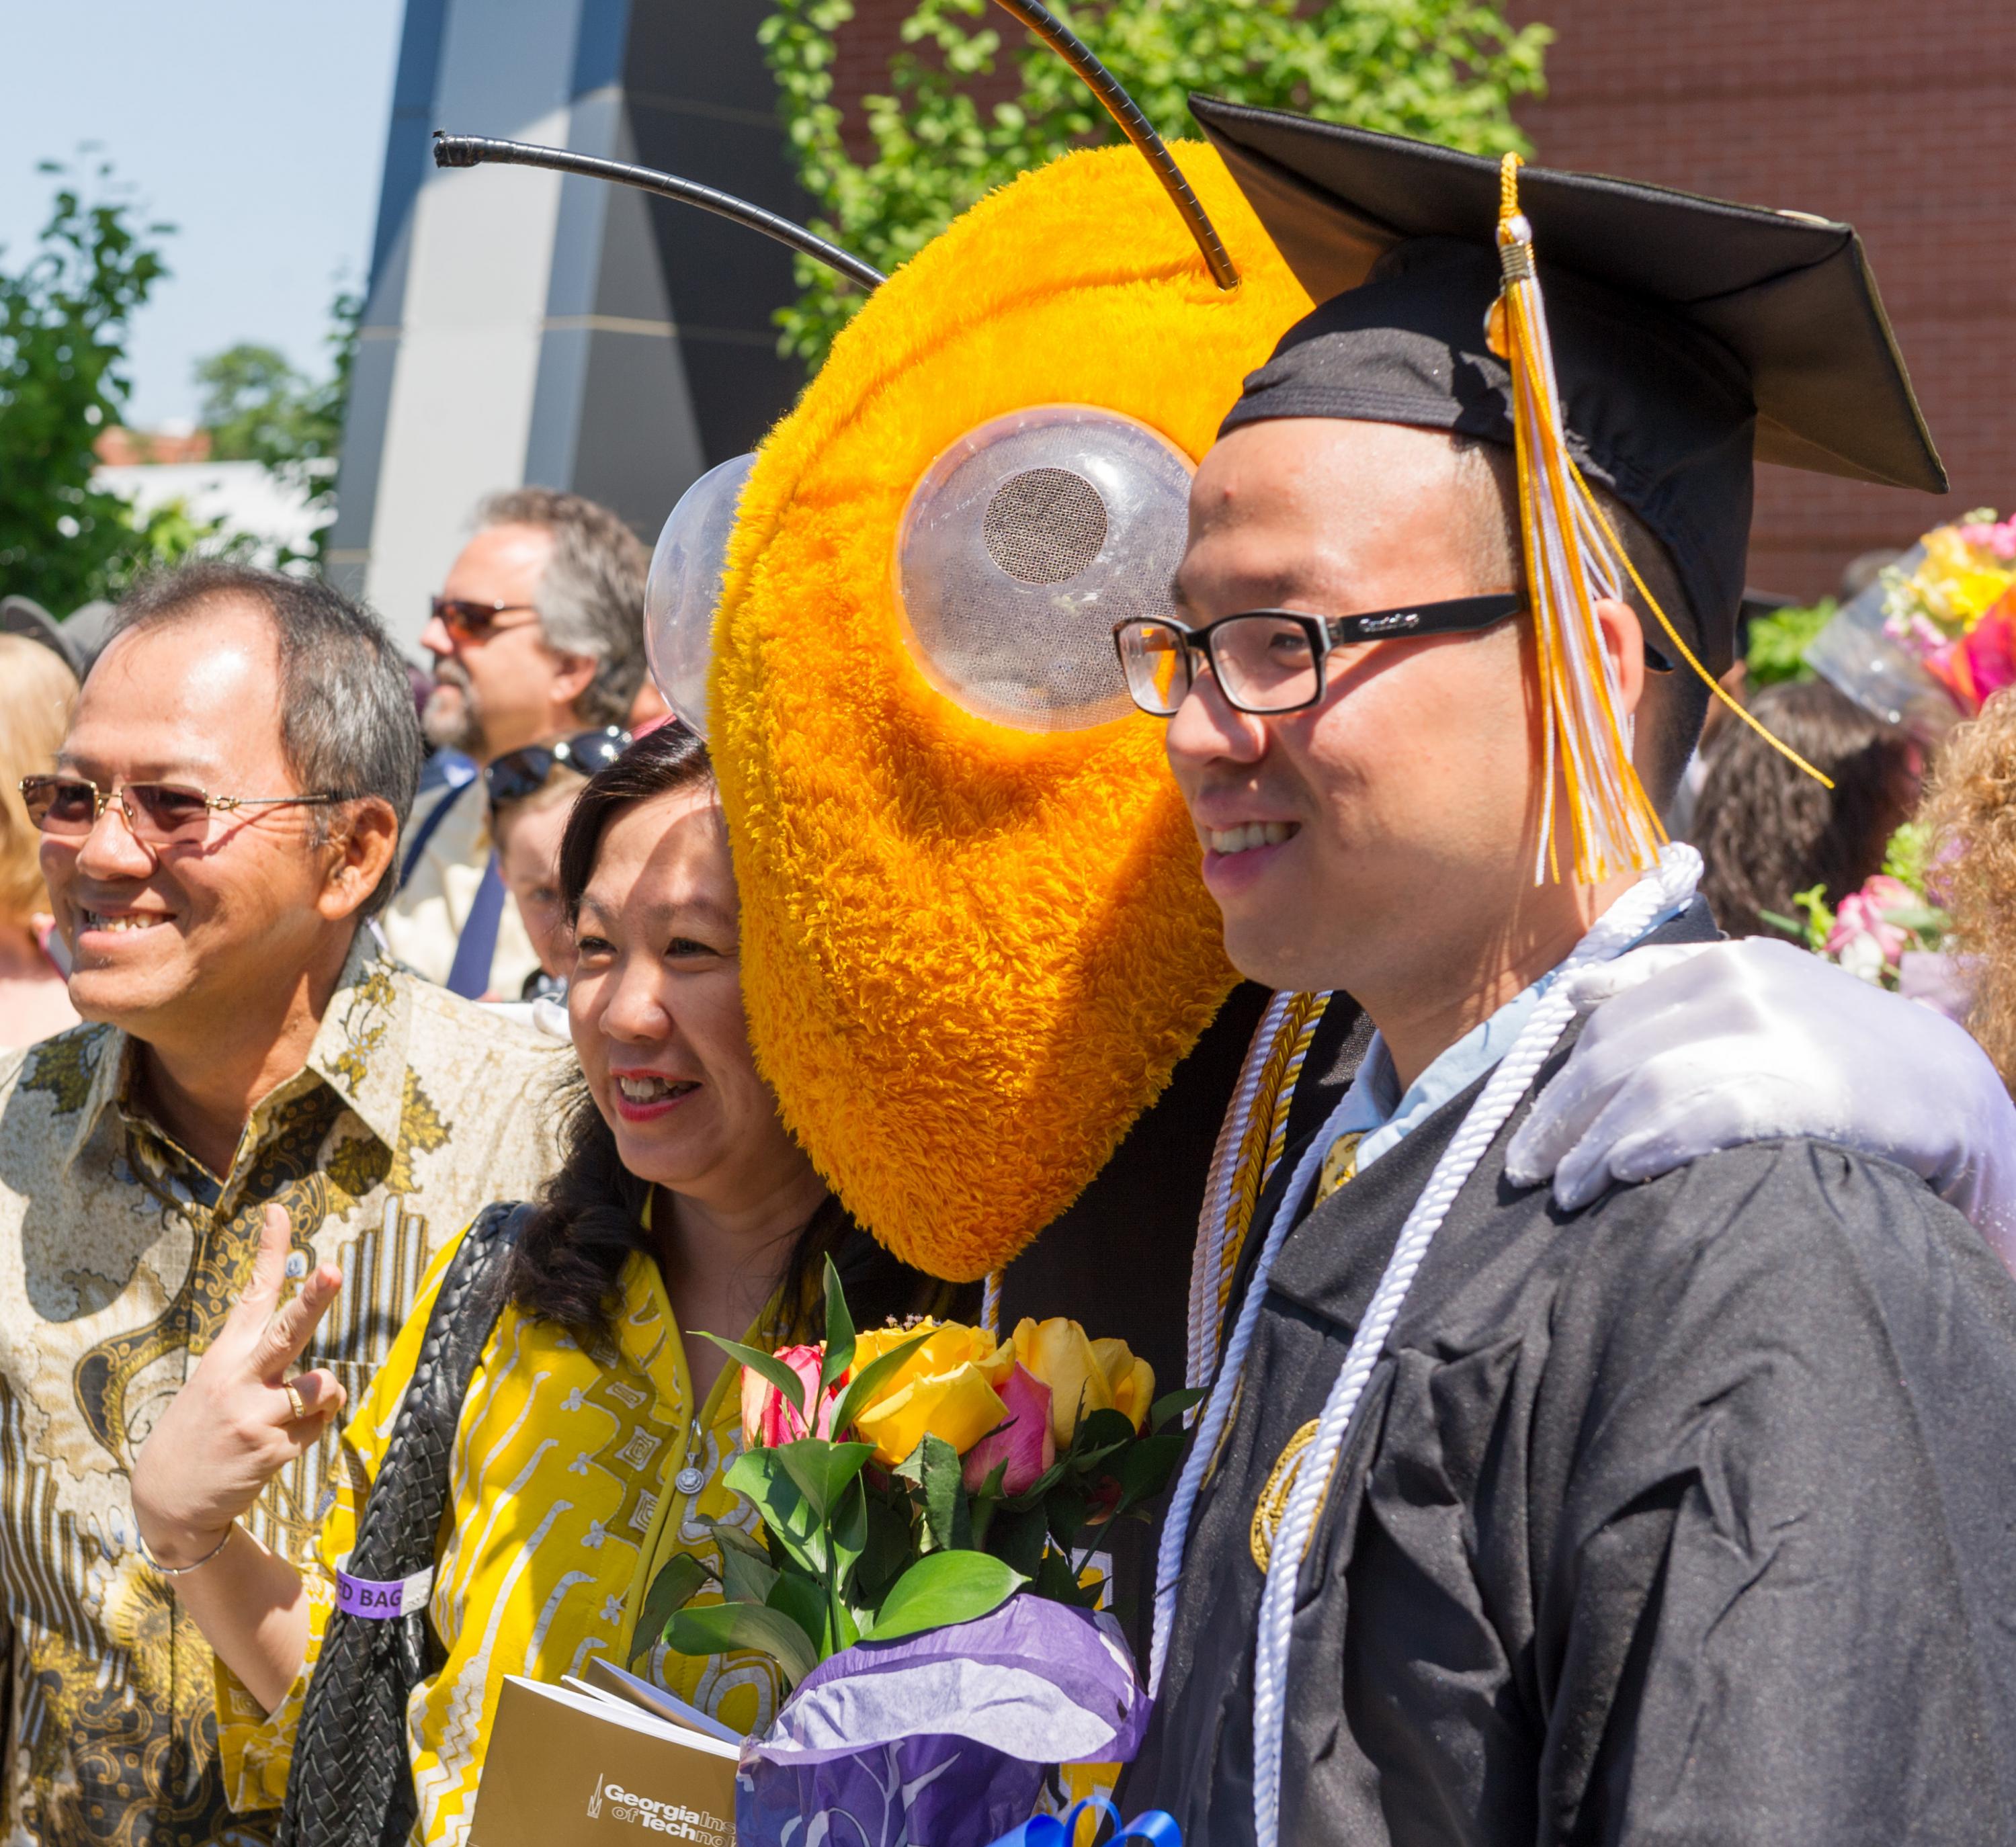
(119, 1257)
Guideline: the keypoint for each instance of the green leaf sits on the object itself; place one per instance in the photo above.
(731, 1538)
(682, 1575)
(887, 1551)
(1145, 1470)
(945, 1588)
(1067, 1512)
(864, 1384)
(746, 1573)
(942, 1493)
(764, 1479)
(839, 1334)
(768, 1365)
(1017, 1537)
(1103, 1431)
(1039, 1490)
(1919, 917)
(1172, 1405)
(848, 1532)
(823, 1469)
(804, 1602)
(721, 1627)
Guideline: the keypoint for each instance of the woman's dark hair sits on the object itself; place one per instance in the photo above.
(589, 1218)
(1766, 831)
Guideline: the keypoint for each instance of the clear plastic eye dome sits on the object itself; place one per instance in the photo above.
(684, 586)
(1023, 544)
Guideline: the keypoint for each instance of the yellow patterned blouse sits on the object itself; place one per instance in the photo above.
(562, 1484)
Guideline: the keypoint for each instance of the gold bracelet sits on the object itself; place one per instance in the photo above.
(181, 1571)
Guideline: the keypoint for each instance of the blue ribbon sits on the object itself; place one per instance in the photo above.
(1157, 1828)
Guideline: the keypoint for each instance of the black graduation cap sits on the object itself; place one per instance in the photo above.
(1689, 335)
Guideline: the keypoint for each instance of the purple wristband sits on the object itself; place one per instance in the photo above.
(381, 1600)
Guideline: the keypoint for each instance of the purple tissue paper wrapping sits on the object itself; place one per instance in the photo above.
(940, 1740)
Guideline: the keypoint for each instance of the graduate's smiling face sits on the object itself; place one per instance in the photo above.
(1396, 820)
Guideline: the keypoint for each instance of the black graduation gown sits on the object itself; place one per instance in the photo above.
(1689, 1516)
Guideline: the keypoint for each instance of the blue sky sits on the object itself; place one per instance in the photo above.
(257, 127)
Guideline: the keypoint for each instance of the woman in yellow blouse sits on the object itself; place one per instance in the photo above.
(592, 1438)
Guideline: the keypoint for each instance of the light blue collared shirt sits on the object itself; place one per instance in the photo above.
(1375, 1107)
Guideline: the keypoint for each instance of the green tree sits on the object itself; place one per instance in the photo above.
(64, 319)
(259, 407)
(1445, 70)
(252, 404)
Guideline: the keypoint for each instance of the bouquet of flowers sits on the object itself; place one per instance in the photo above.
(929, 1497)
(1877, 929)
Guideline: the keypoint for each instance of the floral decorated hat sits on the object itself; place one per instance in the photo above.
(1934, 638)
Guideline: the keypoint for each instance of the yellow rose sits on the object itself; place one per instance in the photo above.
(1058, 1353)
(1132, 1381)
(945, 1389)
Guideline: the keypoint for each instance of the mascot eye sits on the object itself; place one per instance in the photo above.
(684, 586)
(1023, 544)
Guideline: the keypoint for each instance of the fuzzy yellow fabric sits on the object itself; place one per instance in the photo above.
(972, 955)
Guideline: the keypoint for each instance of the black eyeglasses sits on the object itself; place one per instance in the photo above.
(1271, 660)
(517, 774)
(158, 814)
(468, 621)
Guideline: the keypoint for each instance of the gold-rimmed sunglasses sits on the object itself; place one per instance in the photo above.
(158, 814)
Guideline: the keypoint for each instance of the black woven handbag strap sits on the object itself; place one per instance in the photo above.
(352, 1782)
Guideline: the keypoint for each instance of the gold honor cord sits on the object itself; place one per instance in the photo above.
(1574, 559)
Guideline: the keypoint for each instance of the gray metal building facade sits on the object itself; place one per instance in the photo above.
(524, 327)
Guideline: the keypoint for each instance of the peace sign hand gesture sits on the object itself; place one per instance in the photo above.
(241, 1416)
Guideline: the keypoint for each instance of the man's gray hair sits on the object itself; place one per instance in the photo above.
(591, 598)
(347, 722)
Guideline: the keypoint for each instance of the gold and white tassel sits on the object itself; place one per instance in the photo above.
(1574, 560)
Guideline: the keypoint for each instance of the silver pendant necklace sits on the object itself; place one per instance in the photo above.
(691, 1478)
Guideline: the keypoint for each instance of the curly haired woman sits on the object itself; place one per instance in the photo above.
(1970, 810)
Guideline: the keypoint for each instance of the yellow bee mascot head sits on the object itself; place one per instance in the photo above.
(975, 940)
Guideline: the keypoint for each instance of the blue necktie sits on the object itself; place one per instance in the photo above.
(477, 945)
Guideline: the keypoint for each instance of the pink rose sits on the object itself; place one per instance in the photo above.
(1861, 916)
(1983, 662)
(1024, 1442)
(768, 1418)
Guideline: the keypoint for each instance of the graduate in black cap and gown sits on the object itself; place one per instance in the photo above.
(1689, 1515)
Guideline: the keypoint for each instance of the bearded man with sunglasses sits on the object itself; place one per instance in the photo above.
(223, 819)
(538, 636)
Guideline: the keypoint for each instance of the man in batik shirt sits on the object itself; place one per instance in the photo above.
(245, 1044)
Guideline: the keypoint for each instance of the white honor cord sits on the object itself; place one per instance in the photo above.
(1670, 886)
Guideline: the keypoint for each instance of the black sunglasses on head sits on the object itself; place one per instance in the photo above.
(517, 774)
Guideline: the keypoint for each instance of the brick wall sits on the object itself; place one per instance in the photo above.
(1895, 116)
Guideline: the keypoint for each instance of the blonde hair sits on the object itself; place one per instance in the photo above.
(1969, 810)
(38, 693)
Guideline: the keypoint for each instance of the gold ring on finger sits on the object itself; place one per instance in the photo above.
(294, 1399)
